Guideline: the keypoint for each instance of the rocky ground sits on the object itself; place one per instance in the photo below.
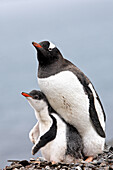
(102, 162)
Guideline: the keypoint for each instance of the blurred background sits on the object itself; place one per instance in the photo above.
(81, 29)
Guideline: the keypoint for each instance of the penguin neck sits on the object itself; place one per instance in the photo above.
(50, 67)
(43, 116)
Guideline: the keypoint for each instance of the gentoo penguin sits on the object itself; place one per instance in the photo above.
(58, 141)
(72, 95)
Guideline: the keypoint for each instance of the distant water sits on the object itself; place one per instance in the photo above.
(83, 31)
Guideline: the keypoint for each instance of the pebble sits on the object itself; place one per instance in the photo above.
(111, 166)
(103, 161)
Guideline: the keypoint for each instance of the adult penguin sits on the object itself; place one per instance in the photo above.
(72, 95)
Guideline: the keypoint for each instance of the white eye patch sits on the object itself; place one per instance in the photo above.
(51, 46)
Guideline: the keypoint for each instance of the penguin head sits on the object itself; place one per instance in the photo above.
(36, 99)
(48, 53)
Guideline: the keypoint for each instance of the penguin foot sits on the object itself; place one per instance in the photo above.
(53, 162)
(89, 159)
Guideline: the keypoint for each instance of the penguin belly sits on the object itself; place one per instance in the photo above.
(56, 149)
(68, 98)
(66, 95)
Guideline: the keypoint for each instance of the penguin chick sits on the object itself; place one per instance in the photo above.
(58, 140)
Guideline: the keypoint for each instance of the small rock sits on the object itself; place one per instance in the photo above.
(94, 162)
(84, 162)
(110, 160)
(42, 159)
(65, 168)
(87, 168)
(78, 168)
(110, 156)
(47, 167)
(111, 148)
(24, 163)
(111, 167)
(22, 168)
(99, 162)
(14, 166)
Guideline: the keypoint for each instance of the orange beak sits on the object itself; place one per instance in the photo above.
(36, 45)
(25, 94)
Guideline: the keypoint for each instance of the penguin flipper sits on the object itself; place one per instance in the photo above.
(47, 137)
(92, 110)
(34, 133)
(93, 113)
(96, 123)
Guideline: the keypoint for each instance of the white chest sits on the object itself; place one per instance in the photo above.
(66, 95)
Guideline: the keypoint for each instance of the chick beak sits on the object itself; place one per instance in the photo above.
(25, 94)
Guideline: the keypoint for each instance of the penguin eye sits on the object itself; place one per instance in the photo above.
(36, 97)
(50, 49)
